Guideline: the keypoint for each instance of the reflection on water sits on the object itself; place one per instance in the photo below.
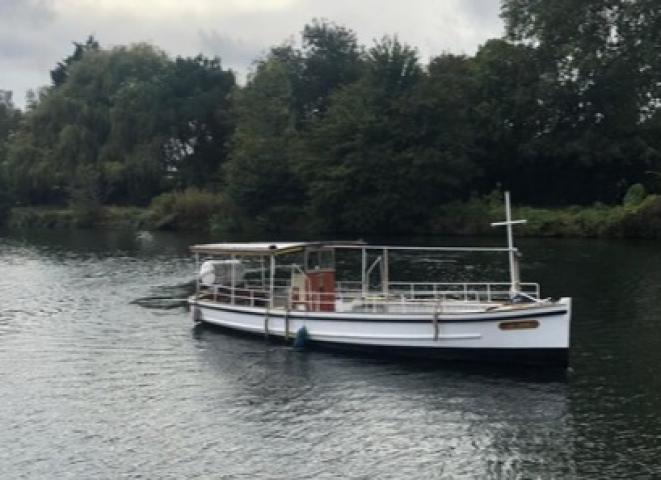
(94, 385)
(364, 417)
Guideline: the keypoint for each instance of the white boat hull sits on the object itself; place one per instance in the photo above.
(496, 335)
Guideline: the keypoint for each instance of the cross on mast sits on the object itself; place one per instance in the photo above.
(514, 266)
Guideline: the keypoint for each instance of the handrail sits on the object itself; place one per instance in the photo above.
(408, 296)
(425, 249)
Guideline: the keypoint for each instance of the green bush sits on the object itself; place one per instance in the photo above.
(85, 215)
(191, 209)
(468, 218)
(635, 195)
(645, 220)
(124, 217)
(54, 217)
(40, 217)
(5, 206)
(473, 218)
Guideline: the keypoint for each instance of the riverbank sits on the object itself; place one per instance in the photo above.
(636, 219)
(188, 210)
(110, 217)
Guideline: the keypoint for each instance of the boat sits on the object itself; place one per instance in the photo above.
(310, 291)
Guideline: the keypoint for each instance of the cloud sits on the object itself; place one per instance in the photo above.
(31, 12)
(237, 53)
(176, 8)
(36, 34)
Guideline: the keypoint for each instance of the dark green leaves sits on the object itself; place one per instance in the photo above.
(330, 135)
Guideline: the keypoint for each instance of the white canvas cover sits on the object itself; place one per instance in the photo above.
(219, 272)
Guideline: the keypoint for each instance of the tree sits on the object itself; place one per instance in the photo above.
(202, 121)
(122, 126)
(10, 117)
(512, 105)
(258, 175)
(60, 73)
(601, 58)
(376, 162)
(331, 59)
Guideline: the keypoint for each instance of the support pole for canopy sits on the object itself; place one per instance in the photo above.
(363, 271)
(197, 275)
(232, 279)
(385, 278)
(515, 280)
(262, 271)
(272, 282)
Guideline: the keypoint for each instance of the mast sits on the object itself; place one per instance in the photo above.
(515, 279)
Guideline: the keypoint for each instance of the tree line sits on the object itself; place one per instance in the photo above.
(332, 135)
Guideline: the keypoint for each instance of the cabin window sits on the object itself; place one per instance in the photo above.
(320, 260)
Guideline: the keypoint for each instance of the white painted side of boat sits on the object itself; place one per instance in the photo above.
(468, 330)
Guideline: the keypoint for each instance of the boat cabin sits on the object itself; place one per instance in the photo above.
(303, 277)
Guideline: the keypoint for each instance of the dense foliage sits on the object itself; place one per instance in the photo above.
(10, 117)
(121, 126)
(335, 136)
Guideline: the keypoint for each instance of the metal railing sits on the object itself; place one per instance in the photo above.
(403, 297)
(464, 291)
(240, 295)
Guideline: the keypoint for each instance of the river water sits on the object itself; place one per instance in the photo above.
(95, 385)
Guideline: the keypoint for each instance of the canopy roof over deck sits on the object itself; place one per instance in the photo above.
(264, 248)
(280, 248)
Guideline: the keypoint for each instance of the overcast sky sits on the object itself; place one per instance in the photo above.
(35, 34)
